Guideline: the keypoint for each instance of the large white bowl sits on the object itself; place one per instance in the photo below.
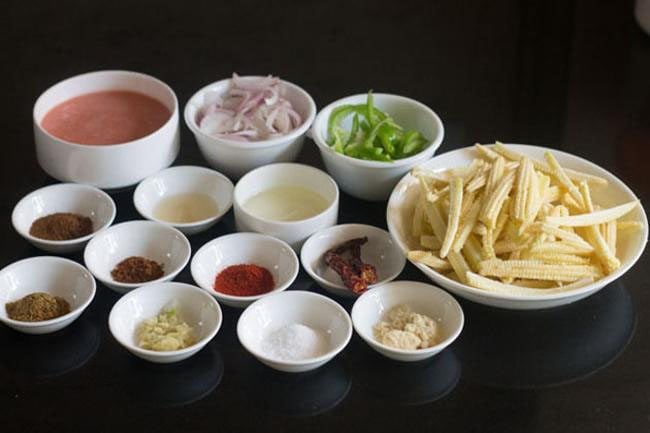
(374, 180)
(629, 247)
(155, 241)
(310, 309)
(236, 158)
(107, 166)
(292, 232)
(380, 251)
(54, 275)
(244, 248)
(426, 299)
(199, 310)
(63, 197)
(183, 180)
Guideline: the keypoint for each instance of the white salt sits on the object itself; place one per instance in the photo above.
(295, 342)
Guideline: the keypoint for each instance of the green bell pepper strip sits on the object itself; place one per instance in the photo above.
(354, 131)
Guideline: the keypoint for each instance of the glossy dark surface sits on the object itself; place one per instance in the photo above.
(566, 74)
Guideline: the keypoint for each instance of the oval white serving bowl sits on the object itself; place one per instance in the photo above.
(63, 197)
(236, 158)
(54, 275)
(426, 299)
(184, 180)
(107, 166)
(295, 306)
(629, 247)
(149, 239)
(374, 180)
(286, 174)
(199, 310)
(244, 248)
(380, 251)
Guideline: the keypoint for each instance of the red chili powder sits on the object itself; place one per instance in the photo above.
(244, 280)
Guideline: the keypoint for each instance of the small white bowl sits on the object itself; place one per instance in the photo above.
(292, 232)
(107, 166)
(63, 197)
(183, 180)
(244, 248)
(629, 246)
(54, 275)
(374, 180)
(236, 158)
(155, 241)
(422, 298)
(200, 311)
(295, 306)
(380, 251)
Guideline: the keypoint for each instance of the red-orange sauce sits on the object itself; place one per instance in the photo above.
(107, 117)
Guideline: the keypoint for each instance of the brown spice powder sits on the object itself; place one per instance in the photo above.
(36, 307)
(61, 226)
(137, 269)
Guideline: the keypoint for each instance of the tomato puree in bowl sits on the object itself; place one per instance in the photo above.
(106, 117)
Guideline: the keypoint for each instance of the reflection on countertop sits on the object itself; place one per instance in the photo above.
(532, 349)
(49, 355)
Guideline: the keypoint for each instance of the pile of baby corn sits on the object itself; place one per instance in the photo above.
(514, 225)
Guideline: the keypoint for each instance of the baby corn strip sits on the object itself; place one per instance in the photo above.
(503, 247)
(490, 285)
(570, 202)
(487, 245)
(418, 216)
(524, 173)
(567, 236)
(560, 258)
(561, 248)
(467, 173)
(601, 250)
(427, 258)
(472, 252)
(459, 264)
(536, 270)
(486, 152)
(610, 236)
(480, 229)
(560, 175)
(468, 200)
(436, 220)
(502, 219)
(539, 165)
(467, 224)
(455, 204)
(629, 225)
(431, 176)
(536, 190)
(495, 174)
(535, 284)
(434, 196)
(593, 218)
(493, 203)
(430, 242)
(552, 194)
(477, 182)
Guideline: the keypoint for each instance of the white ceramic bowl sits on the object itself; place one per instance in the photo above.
(244, 248)
(629, 247)
(106, 166)
(54, 275)
(422, 298)
(236, 158)
(63, 197)
(380, 251)
(295, 306)
(374, 180)
(293, 232)
(155, 241)
(184, 180)
(199, 310)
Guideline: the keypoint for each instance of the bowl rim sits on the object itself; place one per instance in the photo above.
(302, 362)
(293, 134)
(411, 352)
(370, 228)
(250, 236)
(73, 312)
(178, 286)
(166, 276)
(195, 168)
(78, 186)
(584, 290)
(172, 115)
(434, 143)
(239, 206)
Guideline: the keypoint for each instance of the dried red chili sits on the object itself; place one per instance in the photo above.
(244, 280)
(355, 274)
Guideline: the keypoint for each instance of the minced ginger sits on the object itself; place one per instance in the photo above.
(405, 329)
